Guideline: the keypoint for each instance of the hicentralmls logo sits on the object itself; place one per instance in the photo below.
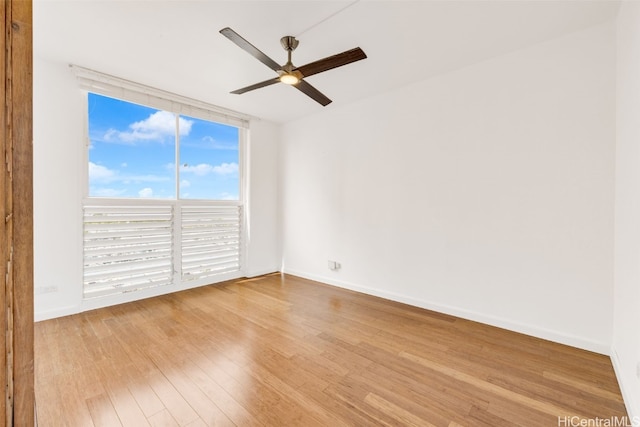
(575, 421)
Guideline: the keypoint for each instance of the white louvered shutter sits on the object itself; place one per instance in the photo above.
(211, 237)
(127, 248)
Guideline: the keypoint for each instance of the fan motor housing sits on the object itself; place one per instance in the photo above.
(289, 43)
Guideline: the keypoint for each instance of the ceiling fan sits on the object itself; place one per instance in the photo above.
(289, 73)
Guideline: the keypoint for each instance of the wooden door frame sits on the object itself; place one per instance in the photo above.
(16, 214)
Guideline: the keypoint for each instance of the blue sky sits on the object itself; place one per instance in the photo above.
(132, 153)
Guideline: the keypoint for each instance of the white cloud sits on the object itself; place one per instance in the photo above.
(123, 165)
(205, 169)
(185, 184)
(213, 143)
(226, 169)
(101, 173)
(145, 192)
(146, 178)
(200, 170)
(156, 127)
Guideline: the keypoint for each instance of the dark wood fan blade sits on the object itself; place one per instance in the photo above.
(331, 62)
(249, 48)
(257, 86)
(312, 92)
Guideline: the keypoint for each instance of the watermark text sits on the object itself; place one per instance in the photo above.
(576, 421)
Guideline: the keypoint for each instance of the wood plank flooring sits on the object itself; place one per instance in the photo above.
(283, 351)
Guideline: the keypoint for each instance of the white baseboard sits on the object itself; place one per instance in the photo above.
(40, 316)
(251, 274)
(488, 319)
(107, 301)
(632, 407)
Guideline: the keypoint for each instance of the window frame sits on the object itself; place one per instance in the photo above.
(242, 141)
(127, 91)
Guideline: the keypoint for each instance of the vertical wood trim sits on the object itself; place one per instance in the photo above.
(22, 121)
(18, 174)
(5, 242)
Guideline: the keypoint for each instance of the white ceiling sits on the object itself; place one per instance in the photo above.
(175, 45)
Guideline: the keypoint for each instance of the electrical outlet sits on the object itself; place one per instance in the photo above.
(45, 290)
(333, 265)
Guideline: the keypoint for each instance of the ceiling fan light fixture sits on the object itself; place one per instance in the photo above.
(288, 73)
(289, 79)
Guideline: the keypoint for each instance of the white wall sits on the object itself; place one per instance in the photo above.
(58, 141)
(486, 192)
(59, 119)
(626, 331)
(264, 233)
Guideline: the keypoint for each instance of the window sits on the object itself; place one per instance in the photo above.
(132, 153)
(130, 149)
(209, 163)
(164, 196)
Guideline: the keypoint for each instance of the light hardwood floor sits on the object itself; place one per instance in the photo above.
(284, 351)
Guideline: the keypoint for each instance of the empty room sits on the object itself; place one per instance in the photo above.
(336, 213)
